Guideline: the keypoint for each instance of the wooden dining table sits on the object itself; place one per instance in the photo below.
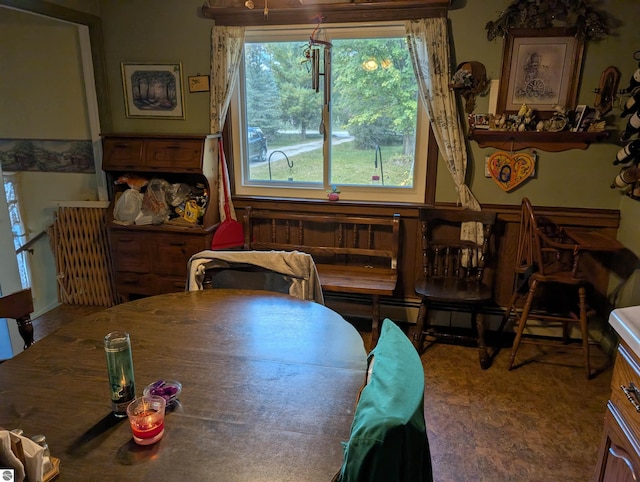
(269, 387)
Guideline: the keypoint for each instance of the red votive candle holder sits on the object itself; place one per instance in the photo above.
(146, 416)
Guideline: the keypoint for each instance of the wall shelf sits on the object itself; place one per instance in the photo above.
(545, 141)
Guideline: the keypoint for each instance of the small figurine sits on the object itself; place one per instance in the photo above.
(333, 194)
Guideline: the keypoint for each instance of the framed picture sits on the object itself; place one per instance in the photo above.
(540, 68)
(577, 117)
(479, 121)
(153, 90)
(198, 83)
(588, 117)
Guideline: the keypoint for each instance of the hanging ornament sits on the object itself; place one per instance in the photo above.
(509, 170)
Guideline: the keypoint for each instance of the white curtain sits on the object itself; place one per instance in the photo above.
(428, 42)
(226, 53)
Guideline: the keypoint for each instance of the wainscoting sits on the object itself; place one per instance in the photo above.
(503, 258)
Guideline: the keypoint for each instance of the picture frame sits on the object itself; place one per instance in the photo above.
(540, 68)
(153, 90)
(479, 121)
(588, 117)
(577, 117)
(198, 83)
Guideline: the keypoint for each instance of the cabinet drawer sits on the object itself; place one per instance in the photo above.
(618, 458)
(174, 154)
(626, 372)
(170, 285)
(173, 252)
(139, 283)
(122, 153)
(130, 252)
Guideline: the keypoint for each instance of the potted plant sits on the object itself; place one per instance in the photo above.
(333, 193)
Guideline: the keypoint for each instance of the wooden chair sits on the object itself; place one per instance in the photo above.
(388, 440)
(288, 272)
(19, 306)
(454, 275)
(549, 280)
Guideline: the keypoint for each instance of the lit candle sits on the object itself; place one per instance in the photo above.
(146, 416)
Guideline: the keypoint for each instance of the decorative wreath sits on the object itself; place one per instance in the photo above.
(591, 23)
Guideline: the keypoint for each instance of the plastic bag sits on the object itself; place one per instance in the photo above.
(178, 193)
(128, 206)
(154, 203)
(133, 181)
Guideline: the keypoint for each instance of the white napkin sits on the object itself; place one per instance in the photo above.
(33, 454)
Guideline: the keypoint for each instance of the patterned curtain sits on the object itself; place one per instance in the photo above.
(428, 42)
(226, 53)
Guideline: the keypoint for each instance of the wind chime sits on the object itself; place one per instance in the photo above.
(317, 52)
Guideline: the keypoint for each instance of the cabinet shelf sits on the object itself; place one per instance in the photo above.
(164, 227)
(545, 141)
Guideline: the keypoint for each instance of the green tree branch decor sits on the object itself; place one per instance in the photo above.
(590, 22)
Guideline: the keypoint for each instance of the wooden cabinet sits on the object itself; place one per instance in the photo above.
(619, 454)
(152, 259)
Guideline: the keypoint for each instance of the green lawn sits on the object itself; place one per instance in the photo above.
(350, 166)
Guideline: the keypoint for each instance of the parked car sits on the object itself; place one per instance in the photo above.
(257, 144)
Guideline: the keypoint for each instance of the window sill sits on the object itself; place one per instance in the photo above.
(324, 205)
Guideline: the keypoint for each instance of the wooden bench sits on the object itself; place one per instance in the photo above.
(353, 254)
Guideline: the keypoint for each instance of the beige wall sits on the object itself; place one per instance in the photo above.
(150, 31)
(43, 98)
(628, 292)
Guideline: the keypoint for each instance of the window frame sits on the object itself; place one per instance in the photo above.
(236, 124)
(18, 223)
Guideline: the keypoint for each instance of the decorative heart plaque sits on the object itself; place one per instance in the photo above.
(509, 170)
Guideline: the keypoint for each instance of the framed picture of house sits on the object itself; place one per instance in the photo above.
(540, 68)
(153, 90)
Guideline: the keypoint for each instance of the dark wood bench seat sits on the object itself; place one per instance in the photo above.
(353, 254)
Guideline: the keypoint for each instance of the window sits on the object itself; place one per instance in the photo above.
(18, 227)
(360, 127)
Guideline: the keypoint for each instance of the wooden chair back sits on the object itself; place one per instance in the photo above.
(331, 239)
(292, 273)
(19, 306)
(543, 248)
(444, 254)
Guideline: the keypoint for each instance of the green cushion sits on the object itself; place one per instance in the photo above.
(388, 439)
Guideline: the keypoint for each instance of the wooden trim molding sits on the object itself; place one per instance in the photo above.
(292, 12)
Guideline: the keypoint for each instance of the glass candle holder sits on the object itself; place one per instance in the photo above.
(117, 347)
(146, 416)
